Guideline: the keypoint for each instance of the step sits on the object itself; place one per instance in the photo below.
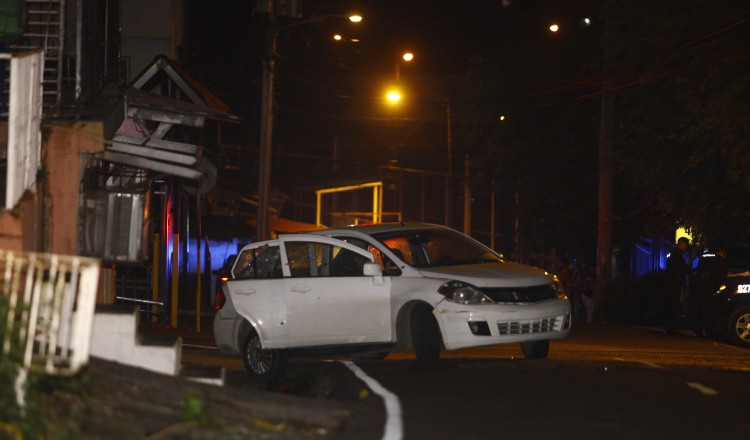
(43, 23)
(41, 35)
(115, 338)
(207, 375)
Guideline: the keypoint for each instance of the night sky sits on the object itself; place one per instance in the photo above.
(330, 92)
(222, 39)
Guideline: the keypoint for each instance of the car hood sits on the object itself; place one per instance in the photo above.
(504, 274)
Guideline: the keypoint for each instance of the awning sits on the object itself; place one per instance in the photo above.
(141, 139)
(286, 226)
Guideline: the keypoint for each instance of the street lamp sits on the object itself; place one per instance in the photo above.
(407, 57)
(393, 96)
(266, 112)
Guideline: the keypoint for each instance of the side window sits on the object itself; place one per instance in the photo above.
(298, 255)
(308, 259)
(386, 264)
(260, 262)
(347, 263)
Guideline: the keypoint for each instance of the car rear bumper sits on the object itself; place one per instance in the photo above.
(226, 334)
(503, 323)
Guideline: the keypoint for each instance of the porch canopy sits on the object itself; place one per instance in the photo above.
(146, 117)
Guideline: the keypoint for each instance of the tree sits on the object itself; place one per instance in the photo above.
(683, 119)
(542, 157)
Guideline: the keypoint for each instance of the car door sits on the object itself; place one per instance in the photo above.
(257, 291)
(329, 299)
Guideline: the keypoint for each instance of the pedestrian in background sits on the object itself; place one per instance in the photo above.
(676, 284)
(587, 294)
(708, 276)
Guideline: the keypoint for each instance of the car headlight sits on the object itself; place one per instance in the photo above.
(559, 290)
(557, 285)
(463, 293)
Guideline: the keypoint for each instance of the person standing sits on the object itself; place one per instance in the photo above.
(676, 284)
(709, 274)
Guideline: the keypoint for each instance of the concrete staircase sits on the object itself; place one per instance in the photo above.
(115, 337)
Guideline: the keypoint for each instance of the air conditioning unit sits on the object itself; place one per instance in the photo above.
(113, 226)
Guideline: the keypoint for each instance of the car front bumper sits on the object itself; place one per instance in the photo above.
(505, 323)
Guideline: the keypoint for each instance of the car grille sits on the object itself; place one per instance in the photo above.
(525, 327)
(520, 294)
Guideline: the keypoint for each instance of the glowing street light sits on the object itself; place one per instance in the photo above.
(554, 27)
(393, 96)
(355, 18)
(337, 37)
(407, 57)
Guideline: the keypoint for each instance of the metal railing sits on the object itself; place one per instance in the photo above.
(47, 303)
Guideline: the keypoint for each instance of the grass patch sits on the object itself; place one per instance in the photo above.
(43, 393)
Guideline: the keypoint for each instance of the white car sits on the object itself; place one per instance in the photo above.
(371, 289)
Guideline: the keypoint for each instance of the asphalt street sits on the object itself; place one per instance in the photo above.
(605, 381)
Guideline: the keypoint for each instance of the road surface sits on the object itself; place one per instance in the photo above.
(604, 382)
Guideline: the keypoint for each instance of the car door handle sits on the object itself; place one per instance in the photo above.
(246, 292)
(301, 289)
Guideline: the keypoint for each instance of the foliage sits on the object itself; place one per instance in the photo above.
(14, 420)
(543, 156)
(683, 118)
(195, 409)
(42, 408)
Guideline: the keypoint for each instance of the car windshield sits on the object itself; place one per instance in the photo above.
(436, 247)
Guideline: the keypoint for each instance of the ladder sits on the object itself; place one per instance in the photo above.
(45, 28)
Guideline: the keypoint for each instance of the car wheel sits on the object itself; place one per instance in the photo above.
(738, 327)
(535, 349)
(425, 333)
(268, 366)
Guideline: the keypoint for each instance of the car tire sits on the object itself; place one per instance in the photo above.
(268, 366)
(425, 333)
(738, 327)
(535, 349)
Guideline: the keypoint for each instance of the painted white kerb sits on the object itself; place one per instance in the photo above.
(394, 427)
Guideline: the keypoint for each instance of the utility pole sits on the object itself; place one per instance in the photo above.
(266, 126)
(467, 195)
(449, 177)
(271, 9)
(606, 141)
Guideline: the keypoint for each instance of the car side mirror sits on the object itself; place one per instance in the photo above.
(372, 270)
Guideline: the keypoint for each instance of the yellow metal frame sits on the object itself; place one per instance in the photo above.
(377, 199)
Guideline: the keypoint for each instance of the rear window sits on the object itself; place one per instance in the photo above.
(260, 262)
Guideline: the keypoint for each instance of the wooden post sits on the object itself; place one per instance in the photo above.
(175, 277)
(467, 196)
(198, 291)
(155, 270)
